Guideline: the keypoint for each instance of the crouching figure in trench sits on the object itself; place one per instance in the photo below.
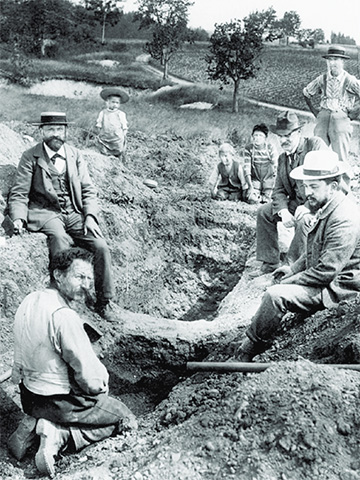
(63, 385)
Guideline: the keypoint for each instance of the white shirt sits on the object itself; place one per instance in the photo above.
(60, 163)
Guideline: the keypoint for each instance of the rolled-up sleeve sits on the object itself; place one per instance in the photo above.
(313, 87)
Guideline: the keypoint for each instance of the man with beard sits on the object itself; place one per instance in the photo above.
(288, 200)
(53, 194)
(329, 269)
(63, 384)
(338, 90)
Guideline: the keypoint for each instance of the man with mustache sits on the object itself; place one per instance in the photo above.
(338, 91)
(288, 203)
(53, 194)
(63, 385)
(328, 271)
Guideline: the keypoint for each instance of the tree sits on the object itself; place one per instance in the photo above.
(341, 39)
(167, 20)
(309, 38)
(105, 12)
(289, 25)
(234, 49)
(265, 21)
(32, 23)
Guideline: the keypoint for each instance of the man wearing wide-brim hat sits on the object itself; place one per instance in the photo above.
(53, 194)
(338, 92)
(329, 269)
(288, 204)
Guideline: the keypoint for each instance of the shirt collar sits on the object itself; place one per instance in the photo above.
(338, 78)
(51, 153)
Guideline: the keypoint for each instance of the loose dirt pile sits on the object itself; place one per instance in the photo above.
(177, 255)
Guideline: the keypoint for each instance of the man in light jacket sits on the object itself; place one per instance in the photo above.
(329, 269)
(63, 385)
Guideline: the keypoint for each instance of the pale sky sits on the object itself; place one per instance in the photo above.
(331, 15)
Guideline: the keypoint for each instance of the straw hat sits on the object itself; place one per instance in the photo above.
(319, 164)
(52, 118)
(114, 91)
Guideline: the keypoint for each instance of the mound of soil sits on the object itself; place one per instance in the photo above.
(183, 293)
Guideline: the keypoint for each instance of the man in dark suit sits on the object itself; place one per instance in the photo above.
(288, 197)
(53, 194)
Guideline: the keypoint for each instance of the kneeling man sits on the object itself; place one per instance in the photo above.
(63, 385)
(328, 271)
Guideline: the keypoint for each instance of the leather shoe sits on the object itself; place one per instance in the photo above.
(23, 438)
(53, 438)
(264, 269)
(108, 310)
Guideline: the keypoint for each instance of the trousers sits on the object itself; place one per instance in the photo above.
(90, 418)
(70, 226)
(335, 129)
(277, 300)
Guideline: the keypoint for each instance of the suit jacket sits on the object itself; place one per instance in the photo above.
(33, 198)
(289, 193)
(332, 257)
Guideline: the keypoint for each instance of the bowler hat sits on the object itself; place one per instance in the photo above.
(336, 52)
(286, 123)
(114, 91)
(319, 164)
(52, 118)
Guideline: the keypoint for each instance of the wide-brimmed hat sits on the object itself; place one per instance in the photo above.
(336, 52)
(319, 164)
(286, 123)
(114, 91)
(52, 118)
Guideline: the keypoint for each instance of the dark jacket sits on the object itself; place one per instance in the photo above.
(33, 198)
(332, 257)
(289, 193)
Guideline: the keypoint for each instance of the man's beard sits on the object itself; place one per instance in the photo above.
(54, 143)
(315, 205)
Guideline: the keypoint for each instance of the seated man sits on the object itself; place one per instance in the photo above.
(288, 203)
(329, 269)
(53, 194)
(63, 385)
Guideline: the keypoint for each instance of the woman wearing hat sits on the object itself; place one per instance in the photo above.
(339, 90)
(111, 123)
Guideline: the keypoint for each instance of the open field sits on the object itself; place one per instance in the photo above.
(283, 72)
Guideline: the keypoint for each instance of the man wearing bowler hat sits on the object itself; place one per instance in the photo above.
(288, 199)
(329, 269)
(338, 90)
(53, 194)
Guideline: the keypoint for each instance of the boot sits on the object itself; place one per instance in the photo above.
(247, 350)
(23, 438)
(52, 439)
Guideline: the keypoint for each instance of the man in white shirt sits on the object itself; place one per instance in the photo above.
(339, 90)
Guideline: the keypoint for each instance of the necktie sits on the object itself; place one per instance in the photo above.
(54, 157)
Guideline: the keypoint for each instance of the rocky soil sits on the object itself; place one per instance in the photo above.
(181, 264)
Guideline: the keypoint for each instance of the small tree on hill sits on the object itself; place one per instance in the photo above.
(105, 12)
(167, 20)
(233, 52)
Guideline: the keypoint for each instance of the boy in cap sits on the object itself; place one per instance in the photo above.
(329, 269)
(111, 123)
(259, 164)
(338, 90)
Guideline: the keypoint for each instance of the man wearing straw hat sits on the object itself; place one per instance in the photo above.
(329, 269)
(53, 194)
(338, 90)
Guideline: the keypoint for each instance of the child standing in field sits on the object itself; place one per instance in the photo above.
(227, 181)
(111, 123)
(259, 164)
